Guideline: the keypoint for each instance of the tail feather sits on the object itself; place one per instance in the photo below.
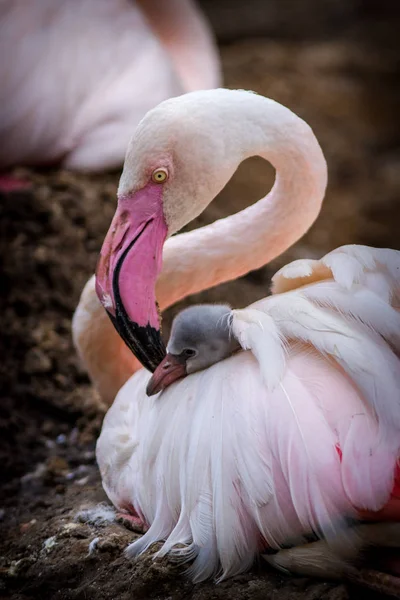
(360, 305)
(347, 265)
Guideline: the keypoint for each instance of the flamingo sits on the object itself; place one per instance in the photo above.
(84, 72)
(298, 433)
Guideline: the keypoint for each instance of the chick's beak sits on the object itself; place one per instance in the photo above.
(169, 370)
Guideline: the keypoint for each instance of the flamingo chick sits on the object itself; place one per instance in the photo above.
(200, 337)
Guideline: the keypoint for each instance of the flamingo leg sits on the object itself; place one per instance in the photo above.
(339, 558)
(9, 183)
(132, 522)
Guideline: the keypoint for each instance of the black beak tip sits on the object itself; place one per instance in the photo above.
(144, 341)
(153, 347)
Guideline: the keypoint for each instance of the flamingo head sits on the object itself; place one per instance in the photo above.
(175, 164)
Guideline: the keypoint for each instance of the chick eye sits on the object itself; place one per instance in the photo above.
(159, 175)
(188, 352)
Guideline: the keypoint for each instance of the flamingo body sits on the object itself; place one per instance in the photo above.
(273, 443)
(297, 433)
(84, 72)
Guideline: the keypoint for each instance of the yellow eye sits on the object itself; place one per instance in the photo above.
(159, 175)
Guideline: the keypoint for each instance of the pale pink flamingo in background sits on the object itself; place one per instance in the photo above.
(293, 436)
(76, 76)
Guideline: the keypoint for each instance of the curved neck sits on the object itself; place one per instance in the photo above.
(231, 247)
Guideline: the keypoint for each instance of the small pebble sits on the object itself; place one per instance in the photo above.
(50, 543)
(93, 545)
(70, 526)
(18, 566)
(24, 527)
(82, 481)
(75, 530)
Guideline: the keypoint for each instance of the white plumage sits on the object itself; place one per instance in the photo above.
(297, 433)
(251, 453)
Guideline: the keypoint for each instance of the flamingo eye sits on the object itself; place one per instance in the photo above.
(159, 175)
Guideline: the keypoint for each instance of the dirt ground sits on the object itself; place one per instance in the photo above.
(51, 232)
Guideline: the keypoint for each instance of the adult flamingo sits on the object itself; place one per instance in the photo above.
(298, 434)
(84, 72)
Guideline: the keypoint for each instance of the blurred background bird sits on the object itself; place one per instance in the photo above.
(84, 72)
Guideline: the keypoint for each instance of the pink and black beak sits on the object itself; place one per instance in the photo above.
(170, 369)
(127, 270)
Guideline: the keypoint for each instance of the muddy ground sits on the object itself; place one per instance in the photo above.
(346, 87)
